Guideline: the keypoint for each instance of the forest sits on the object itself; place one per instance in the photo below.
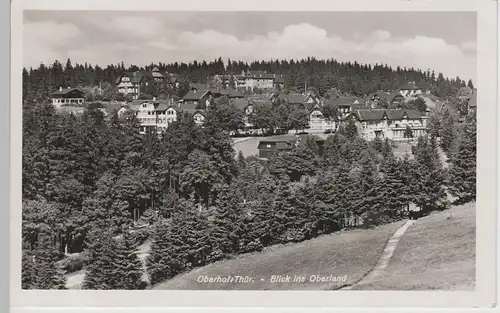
(87, 179)
(352, 78)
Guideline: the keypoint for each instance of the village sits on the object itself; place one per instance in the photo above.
(234, 160)
(377, 115)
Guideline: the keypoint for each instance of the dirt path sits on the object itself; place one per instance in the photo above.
(386, 256)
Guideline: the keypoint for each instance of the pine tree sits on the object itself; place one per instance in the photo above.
(99, 273)
(28, 270)
(392, 192)
(127, 265)
(164, 260)
(368, 186)
(462, 172)
(191, 228)
(227, 228)
(448, 132)
(48, 275)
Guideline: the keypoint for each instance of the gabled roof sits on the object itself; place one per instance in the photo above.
(199, 86)
(281, 138)
(378, 114)
(112, 106)
(135, 77)
(194, 95)
(240, 104)
(341, 101)
(66, 91)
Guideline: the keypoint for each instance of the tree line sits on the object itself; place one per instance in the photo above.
(350, 77)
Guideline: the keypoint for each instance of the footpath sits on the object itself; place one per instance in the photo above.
(386, 256)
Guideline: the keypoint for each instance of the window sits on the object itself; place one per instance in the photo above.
(268, 146)
(144, 105)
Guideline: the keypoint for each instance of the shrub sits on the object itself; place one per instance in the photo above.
(75, 262)
(376, 219)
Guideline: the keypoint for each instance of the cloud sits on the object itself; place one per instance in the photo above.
(137, 26)
(142, 40)
(48, 41)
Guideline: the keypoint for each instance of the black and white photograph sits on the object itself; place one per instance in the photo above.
(249, 150)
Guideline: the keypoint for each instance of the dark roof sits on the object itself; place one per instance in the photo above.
(199, 86)
(410, 86)
(112, 106)
(341, 101)
(190, 108)
(195, 95)
(281, 138)
(293, 98)
(233, 93)
(378, 114)
(279, 79)
(240, 104)
(135, 77)
(66, 91)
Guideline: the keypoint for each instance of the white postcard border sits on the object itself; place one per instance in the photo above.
(485, 294)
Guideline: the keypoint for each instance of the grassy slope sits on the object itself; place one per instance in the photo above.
(351, 253)
(435, 253)
(248, 147)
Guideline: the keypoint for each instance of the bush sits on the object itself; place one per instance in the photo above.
(376, 219)
(253, 246)
(75, 262)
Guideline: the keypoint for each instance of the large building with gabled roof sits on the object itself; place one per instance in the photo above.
(389, 123)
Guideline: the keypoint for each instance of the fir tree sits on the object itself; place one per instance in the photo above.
(28, 270)
(99, 273)
(448, 132)
(127, 265)
(48, 275)
(227, 228)
(165, 259)
(368, 186)
(462, 172)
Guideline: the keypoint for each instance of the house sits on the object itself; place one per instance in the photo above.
(134, 83)
(318, 120)
(279, 81)
(258, 79)
(68, 97)
(159, 114)
(247, 107)
(410, 89)
(271, 145)
(157, 75)
(388, 123)
(200, 97)
(345, 105)
(119, 107)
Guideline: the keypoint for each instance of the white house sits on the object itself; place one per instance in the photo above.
(410, 90)
(391, 124)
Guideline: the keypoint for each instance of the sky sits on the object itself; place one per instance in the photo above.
(440, 41)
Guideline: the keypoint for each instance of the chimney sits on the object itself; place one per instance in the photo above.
(274, 75)
(60, 88)
(154, 98)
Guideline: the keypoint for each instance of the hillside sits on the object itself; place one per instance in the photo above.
(436, 253)
(352, 254)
